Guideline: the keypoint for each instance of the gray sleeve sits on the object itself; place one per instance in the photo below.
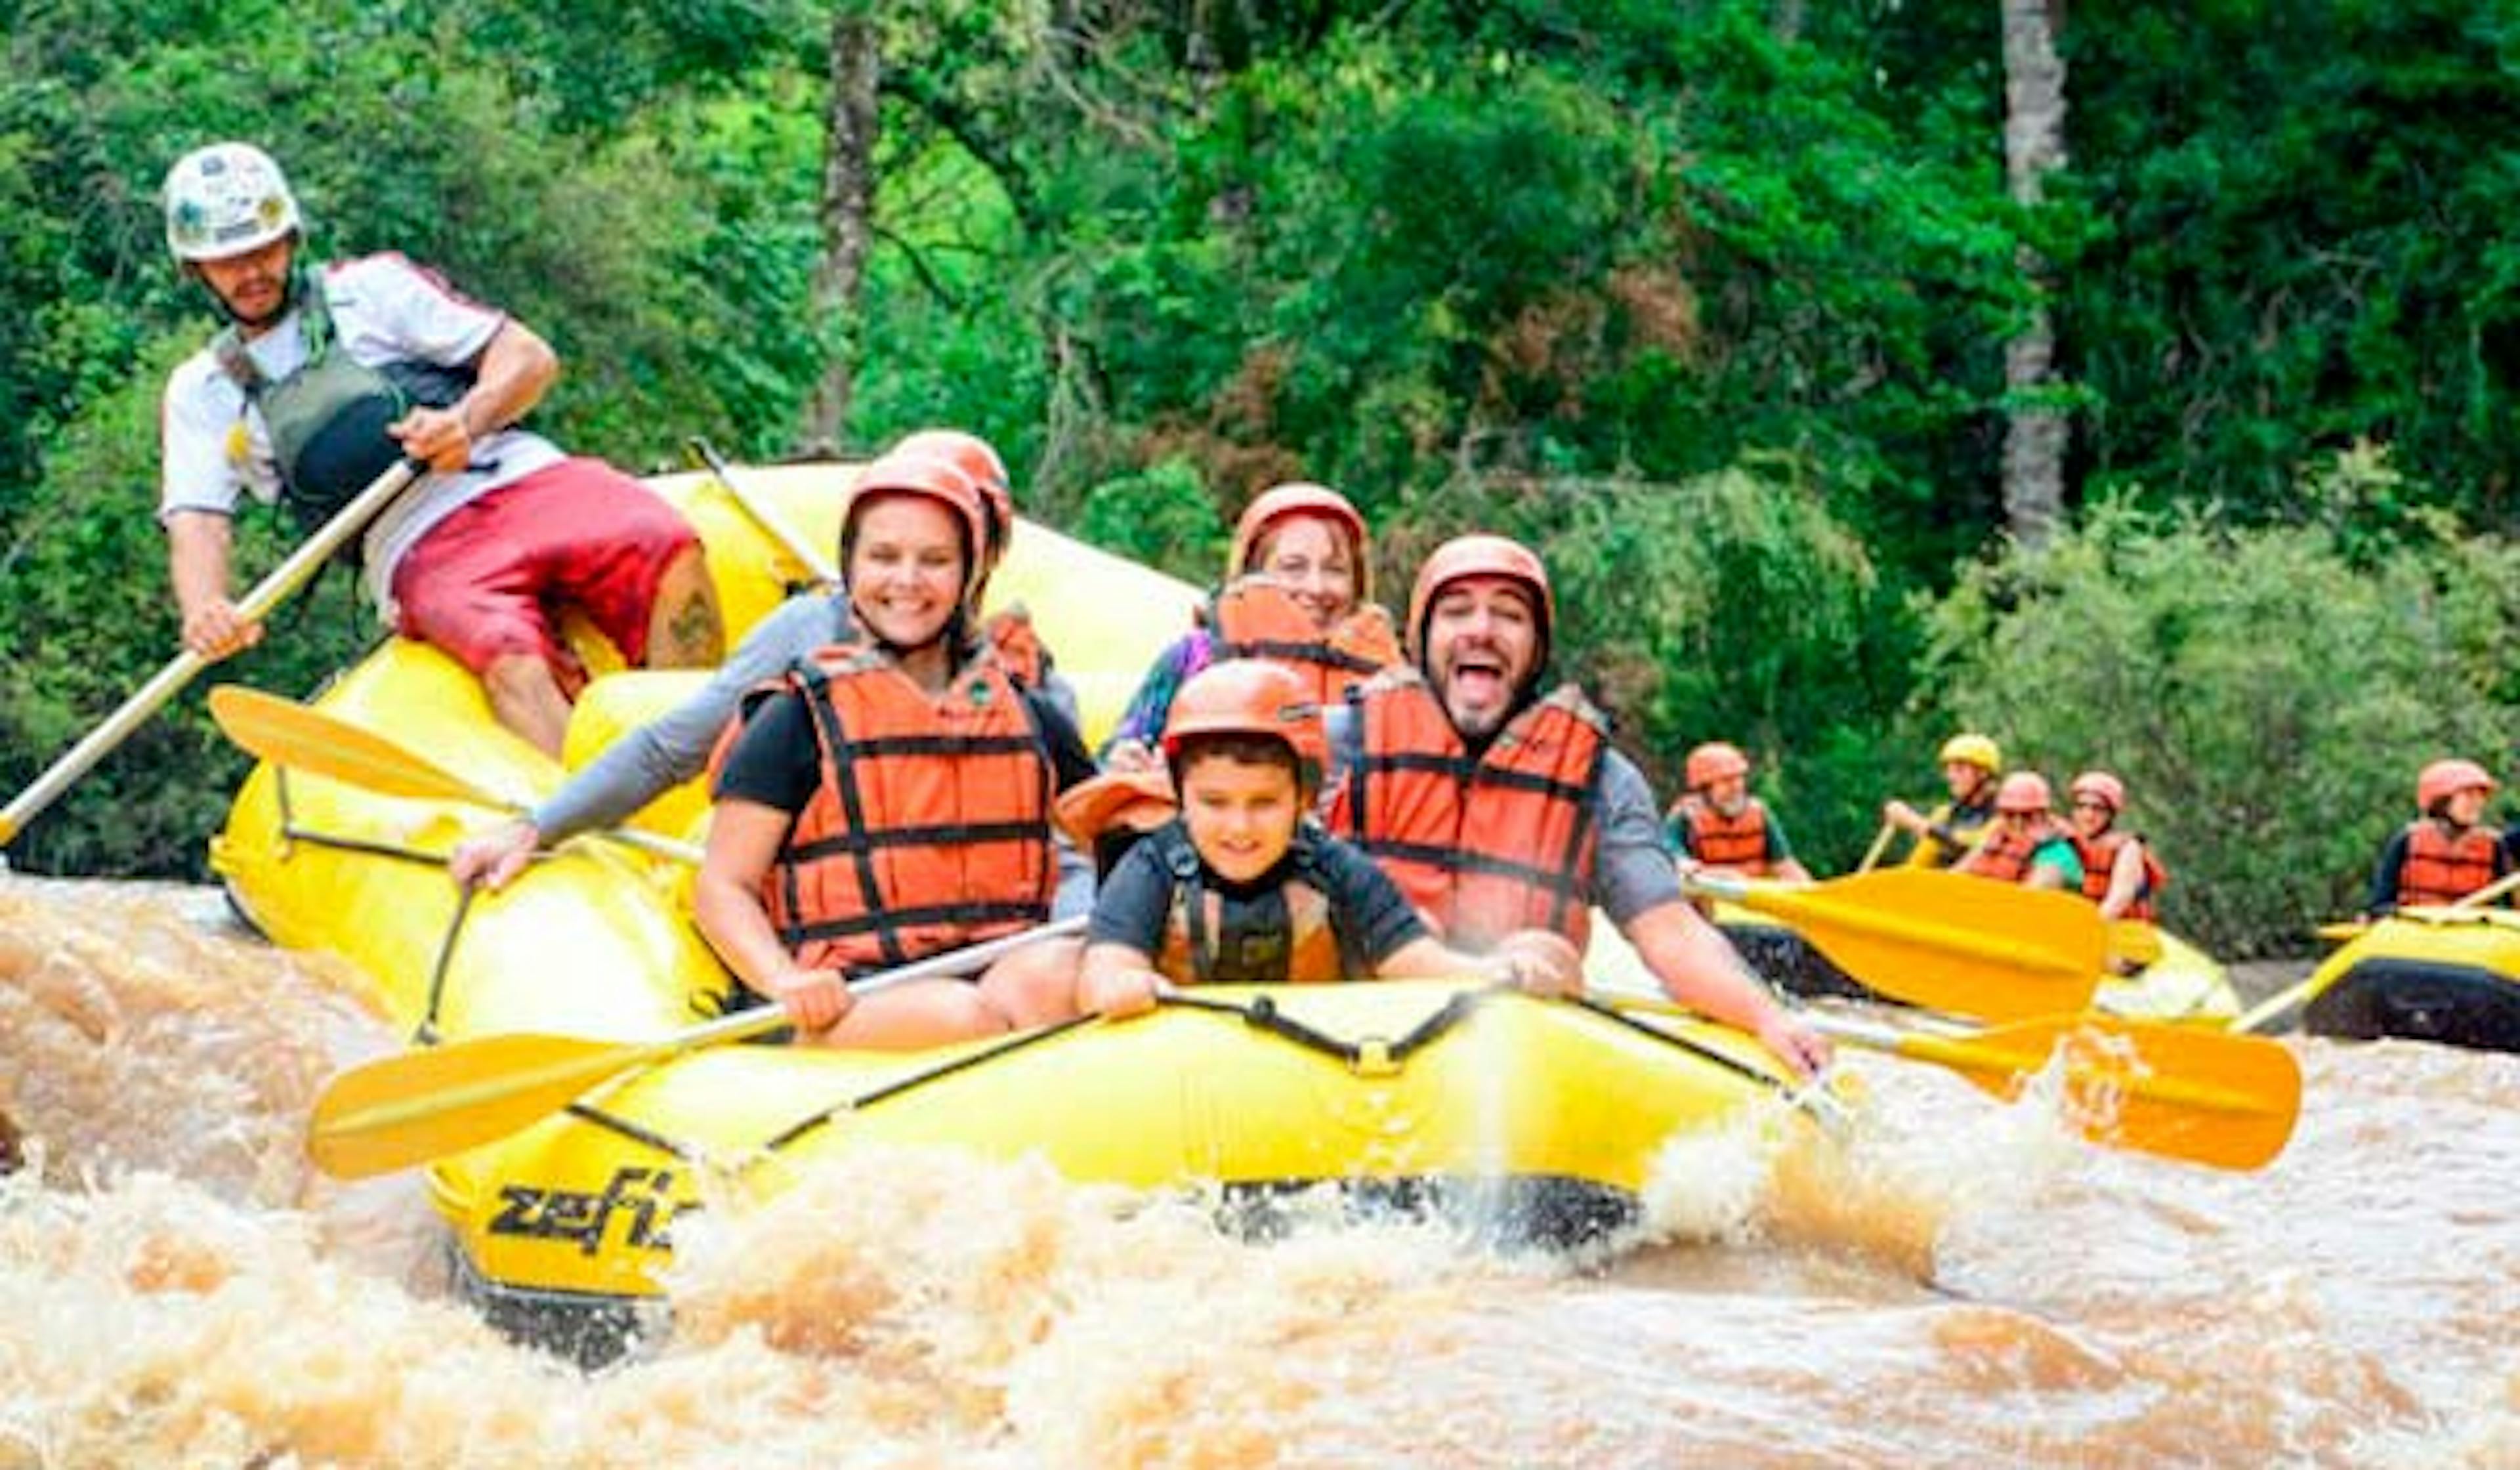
(1632, 871)
(674, 747)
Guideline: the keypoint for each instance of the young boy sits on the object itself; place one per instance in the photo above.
(1242, 888)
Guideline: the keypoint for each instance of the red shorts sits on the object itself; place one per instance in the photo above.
(484, 583)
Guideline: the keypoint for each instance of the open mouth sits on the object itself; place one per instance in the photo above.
(1478, 679)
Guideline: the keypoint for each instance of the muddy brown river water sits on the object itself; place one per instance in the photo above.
(1969, 1286)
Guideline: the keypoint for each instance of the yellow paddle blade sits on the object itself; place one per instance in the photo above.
(2342, 930)
(289, 734)
(2206, 1096)
(408, 1109)
(1943, 940)
(302, 737)
(422, 1106)
(404, 1110)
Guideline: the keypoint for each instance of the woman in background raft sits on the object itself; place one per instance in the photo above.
(2445, 854)
(1298, 592)
(2120, 872)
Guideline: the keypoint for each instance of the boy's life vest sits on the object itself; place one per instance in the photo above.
(929, 829)
(1739, 841)
(1280, 935)
(2441, 867)
(1256, 618)
(2100, 857)
(1485, 845)
(328, 419)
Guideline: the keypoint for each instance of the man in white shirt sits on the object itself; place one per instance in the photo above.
(324, 377)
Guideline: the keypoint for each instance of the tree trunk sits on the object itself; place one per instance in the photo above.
(2036, 428)
(847, 217)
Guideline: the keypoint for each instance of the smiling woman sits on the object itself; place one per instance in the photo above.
(1298, 592)
(891, 799)
(908, 568)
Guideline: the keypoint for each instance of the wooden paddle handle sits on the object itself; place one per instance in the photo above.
(2489, 893)
(1880, 844)
(274, 589)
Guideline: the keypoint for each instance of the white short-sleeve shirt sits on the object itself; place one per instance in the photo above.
(215, 447)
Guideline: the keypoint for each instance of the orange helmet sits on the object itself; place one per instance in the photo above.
(935, 479)
(978, 458)
(1481, 555)
(2443, 779)
(1300, 498)
(2100, 787)
(2023, 791)
(1249, 697)
(1713, 762)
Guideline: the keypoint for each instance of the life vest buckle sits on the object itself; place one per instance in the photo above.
(1373, 1056)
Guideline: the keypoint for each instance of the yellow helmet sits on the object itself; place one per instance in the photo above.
(1972, 749)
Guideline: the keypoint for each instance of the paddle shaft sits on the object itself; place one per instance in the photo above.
(1991, 1059)
(816, 564)
(766, 1018)
(2178, 1091)
(404, 1110)
(2481, 896)
(274, 589)
(1880, 845)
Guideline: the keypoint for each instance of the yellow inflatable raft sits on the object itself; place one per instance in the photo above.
(1546, 1116)
(2449, 976)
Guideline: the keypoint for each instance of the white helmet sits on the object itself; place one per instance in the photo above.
(225, 199)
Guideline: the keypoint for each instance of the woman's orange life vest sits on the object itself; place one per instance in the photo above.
(1739, 842)
(2100, 857)
(1200, 945)
(930, 827)
(1481, 846)
(1256, 618)
(2442, 868)
(2006, 855)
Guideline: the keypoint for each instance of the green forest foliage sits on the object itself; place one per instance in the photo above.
(2267, 693)
(1707, 299)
